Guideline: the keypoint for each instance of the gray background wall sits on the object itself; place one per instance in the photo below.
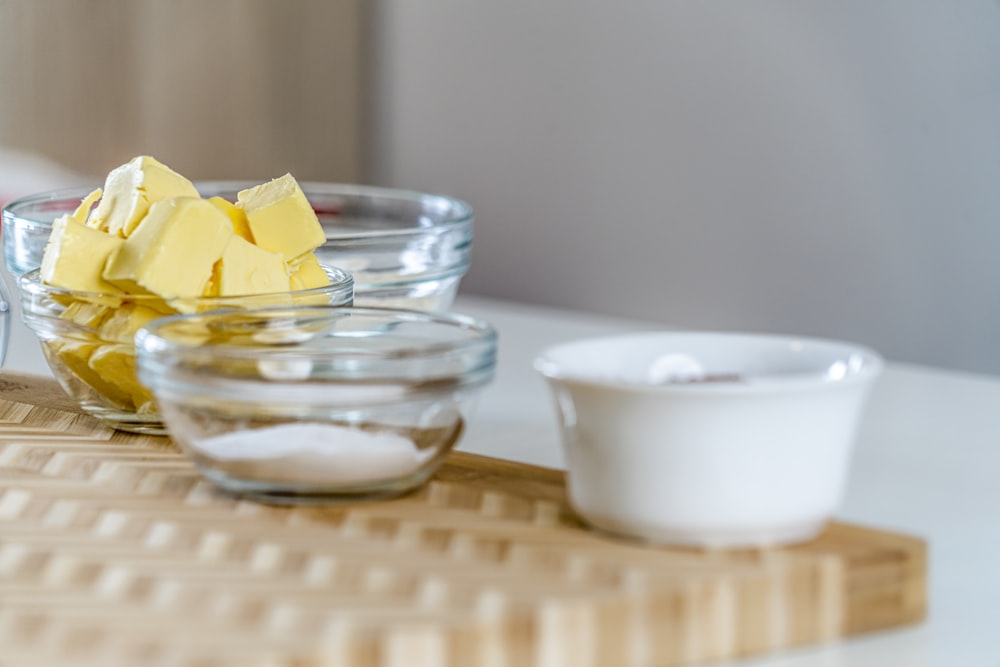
(827, 168)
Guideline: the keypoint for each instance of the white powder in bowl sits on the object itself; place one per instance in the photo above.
(281, 369)
(314, 454)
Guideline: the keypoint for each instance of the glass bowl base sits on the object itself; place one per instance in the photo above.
(123, 420)
(289, 494)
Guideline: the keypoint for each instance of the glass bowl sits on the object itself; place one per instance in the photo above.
(27, 223)
(291, 404)
(404, 249)
(5, 305)
(88, 339)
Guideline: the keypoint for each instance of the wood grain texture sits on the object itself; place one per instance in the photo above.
(113, 551)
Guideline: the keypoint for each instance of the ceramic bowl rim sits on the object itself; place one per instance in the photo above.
(871, 365)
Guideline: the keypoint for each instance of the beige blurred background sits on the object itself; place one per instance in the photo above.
(224, 89)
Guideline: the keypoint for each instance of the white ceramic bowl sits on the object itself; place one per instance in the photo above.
(708, 439)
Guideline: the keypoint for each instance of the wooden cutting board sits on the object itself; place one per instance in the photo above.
(113, 551)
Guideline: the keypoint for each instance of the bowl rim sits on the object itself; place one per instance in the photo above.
(870, 364)
(461, 212)
(183, 366)
(30, 283)
(10, 209)
(151, 338)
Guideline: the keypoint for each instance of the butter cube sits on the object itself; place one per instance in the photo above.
(212, 286)
(115, 364)
(75, 254)
(236, 214)
(86, 314)
(75, 356)
(308, 274)
(171, 253)
(281, 218)
(131, 189)
(82, 211)
(246, 269)
(125, 321)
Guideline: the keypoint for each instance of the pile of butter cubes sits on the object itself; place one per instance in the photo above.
(153, 235)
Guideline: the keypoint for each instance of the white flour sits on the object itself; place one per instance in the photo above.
(314, 454)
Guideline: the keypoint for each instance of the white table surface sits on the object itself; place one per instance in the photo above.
(927, 464)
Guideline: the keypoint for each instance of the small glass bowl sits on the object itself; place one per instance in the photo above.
(88, 339)
(404, 249)
(296, 404)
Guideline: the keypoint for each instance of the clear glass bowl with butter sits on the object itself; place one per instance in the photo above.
(88, 338)
(27, 223)
(291, 404)
(405, 249)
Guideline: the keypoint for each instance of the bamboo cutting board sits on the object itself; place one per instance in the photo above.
(113, 551)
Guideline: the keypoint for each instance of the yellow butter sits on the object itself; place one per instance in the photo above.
(152, 233)
(236, 215)
(308, 274)
(82, 211)
(75, 356)
(172, 252)
(247, 269)
(75, 254)
(281, 218)
(86, 314)
(212, 286)
(115, 364)
(131, 189)
(122, 324)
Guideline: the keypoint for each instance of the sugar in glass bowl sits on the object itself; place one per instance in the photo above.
(88, 339)
(708, 439)
(299, 403)
(405, 249)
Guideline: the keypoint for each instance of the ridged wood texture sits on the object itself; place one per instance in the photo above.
(113, 551)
